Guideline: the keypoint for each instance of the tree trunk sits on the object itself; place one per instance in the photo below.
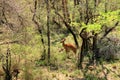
(43, 56)
(48, 28)
(87, 13)
(95, 48)
(76, 2)
(65, 10)
(84, 48)
(106, 4)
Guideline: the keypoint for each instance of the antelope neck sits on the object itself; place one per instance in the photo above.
(63, 43)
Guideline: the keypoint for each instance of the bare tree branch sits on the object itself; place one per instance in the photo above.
(69, 28)
(109, 30)
(9, 42)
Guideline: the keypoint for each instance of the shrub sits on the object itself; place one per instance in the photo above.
(109, 48)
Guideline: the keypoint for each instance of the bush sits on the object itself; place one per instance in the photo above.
(109, 48)
(41, 62)
(90, 77)
(93, 77)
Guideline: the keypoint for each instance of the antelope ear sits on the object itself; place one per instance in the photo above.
(64, 39)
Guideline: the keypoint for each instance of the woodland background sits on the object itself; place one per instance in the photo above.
(31, 32)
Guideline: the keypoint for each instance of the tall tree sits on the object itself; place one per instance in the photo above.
(39, 27)
(48, 27)
(65, 10)
(76, 2)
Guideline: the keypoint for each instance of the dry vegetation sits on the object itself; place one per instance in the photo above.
(24, 40)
